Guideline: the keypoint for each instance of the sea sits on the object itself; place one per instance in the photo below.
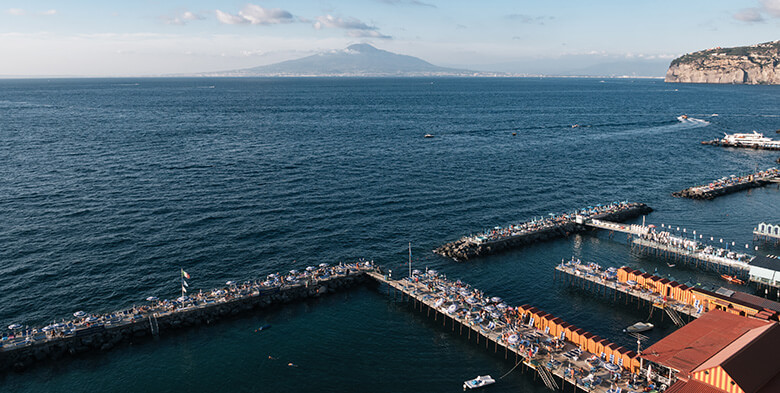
(108, 187)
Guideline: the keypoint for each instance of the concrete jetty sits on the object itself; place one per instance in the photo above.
(774, 145)
(24, 347)
(728, 185)
(558, 352)
(556, 226)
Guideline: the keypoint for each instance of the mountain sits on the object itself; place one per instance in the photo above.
(355, 60)
(753, 65)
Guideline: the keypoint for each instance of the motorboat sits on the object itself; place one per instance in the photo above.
(732, 279)
(478, 382)
(428, 136)
(639, 327)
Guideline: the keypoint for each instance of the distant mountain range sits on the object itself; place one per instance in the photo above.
(355, 60)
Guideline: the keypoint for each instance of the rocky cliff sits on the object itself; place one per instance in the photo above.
(753, 65)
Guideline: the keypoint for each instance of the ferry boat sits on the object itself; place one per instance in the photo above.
(752, 139)
(732, 279)
(478, 382)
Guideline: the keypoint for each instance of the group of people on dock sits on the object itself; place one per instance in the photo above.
(735, 180)
(545, 223)
(20, 335)
(692, 246)
(515, 328)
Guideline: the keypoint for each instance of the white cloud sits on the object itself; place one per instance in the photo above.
(408, 2)
(341, 23)
(16, 11)
(772, 7)
(49, 12)
(183, 18)
(256, 15)
(368, 34)
(749, 15)
(21, 12)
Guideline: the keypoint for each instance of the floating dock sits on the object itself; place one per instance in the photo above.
(729, 185)
(25, 346)
(557, 226)
(557, 351)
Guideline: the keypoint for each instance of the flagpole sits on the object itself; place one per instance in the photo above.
(410, 260)
(181, 273)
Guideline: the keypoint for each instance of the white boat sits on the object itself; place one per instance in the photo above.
(478, 382)
(428, 136)
(639, 327)
(753, 139)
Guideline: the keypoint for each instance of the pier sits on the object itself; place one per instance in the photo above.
(708, 258)
(773, 145)
(25, 346)
(500, 239)
(556, 351)
(674, 299)
(593, 278)
(729, 185)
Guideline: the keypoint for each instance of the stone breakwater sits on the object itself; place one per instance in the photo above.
(104, 336)
(729, 185)
(557, 227)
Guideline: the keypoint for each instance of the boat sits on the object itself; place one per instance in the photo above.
(575, 126)
(732, 279)
(428, 136)
(478, 382)
(684, 117)
(752, 139)
(639, 327)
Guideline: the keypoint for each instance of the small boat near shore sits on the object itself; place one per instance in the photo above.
(428, 136)
(478, 382)
(639, 327)
(732, 279)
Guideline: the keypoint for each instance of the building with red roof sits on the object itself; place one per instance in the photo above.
(716, 353)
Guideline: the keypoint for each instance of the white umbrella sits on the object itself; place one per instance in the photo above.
(310, 268)
(495, 299)
(230, 283)
(323, 265)
(152, 298)
(15, 326)
(182, 298)
(91, 319)
(293, 272)
(79, 314)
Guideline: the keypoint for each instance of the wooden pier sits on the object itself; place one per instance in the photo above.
(556, 368)
(767, 233)
(588, 279)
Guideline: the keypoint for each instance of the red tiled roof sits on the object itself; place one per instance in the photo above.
(692, 386)
(694, 343)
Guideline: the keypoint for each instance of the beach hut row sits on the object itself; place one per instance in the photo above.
(698, 298)
(557, 327)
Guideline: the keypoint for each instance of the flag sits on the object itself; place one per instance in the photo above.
(184, 274)
(184, 283)
(183, 289)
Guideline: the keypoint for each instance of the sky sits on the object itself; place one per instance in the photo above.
(158, 37)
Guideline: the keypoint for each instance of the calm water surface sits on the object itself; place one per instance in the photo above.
(108, 187)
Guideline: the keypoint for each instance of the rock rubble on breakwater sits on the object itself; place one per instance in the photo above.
(18, 352)
(557, 226)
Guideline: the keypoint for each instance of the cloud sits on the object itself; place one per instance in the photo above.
(183, 18)
(256, 15)
(16, 11)
(772, 7)
(408, 2)
(341, 23)
(49, 12)
(21, 12)
(749, 15)
(356, 28)
(528, 19)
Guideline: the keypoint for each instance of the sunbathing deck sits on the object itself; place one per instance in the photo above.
(555, 360)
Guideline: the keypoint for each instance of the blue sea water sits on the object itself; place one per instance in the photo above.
(109, 186)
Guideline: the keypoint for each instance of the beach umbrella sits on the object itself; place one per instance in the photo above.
(182, 298)
(79, 314)
(323, 264)
(513, 339)
(91, 319)
(416, 272)
(230, 283)
(14, 326)
(310, 268)
(152, 299)
(495, 299)
(293, 271)
(452, 308)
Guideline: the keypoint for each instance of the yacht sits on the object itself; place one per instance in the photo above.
(478, 382)
(752, 139)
